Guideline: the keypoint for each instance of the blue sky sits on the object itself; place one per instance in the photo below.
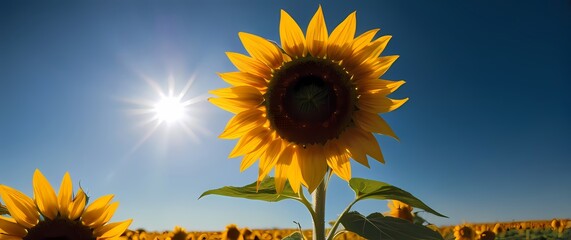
(484, 136)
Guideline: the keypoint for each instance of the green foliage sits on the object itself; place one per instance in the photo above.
(266, 192)
(374, 226)
(371, 189)
(377, 226)
(3, 210)
(294, 236)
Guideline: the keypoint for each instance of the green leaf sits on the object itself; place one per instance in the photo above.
(294, 236)
(370, 189)
(3, 210)
(377, 226)
(266, 192)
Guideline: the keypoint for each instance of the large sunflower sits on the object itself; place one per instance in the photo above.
(64, 216)
(311, 104)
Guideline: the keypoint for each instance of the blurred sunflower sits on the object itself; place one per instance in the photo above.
(400, 210)
(231, 233)
(499, 230)
(310, 104)
(464, 232)
(48, 216)
(487, 235)
(179, 233)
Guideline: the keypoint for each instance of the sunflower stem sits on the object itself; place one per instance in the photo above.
(318, 204)
(332, 233)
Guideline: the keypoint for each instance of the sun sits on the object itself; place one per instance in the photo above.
(169, 110)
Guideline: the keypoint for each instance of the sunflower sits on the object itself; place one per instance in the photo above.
(464, 232)
(62, 216)
(401, 210)
(311, 104)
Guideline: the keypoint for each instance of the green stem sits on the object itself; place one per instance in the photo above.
(306, 203)
(334, 228)
(318, 203)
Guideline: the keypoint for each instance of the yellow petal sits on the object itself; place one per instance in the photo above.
(317, 35)
(9, 237)
(251, 141)
(250, 65)
(269, 158)
(372, 68)
(243, 79)
(9, 226)
(372, 122)
(262, 49)
(237, 99)
(286, 58)
(338, 160)
(378, 46)
(354, 150)
(242, 123)
(95, 209)
(313, 166)
(20, 206)
(379, 103)
(251, 158)
(282, 165)
(384, 63)
(291, 36)
(77, 206)
(366, 142)
(105, 216)
(363, 40)
(341, 38)
(375, 85)
(112, 230)
(239, 92)
(294, 171)
(234, 106)
(368, 53)
(110, 211)
(65, 195)
(45, 196)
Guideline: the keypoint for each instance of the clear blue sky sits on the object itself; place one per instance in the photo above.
(484, 137)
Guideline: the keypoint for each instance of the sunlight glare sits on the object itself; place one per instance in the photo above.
(169, 110)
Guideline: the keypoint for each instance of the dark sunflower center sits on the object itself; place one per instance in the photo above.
(465, 231)
(310, 100)
(60, 229)
(487, 235)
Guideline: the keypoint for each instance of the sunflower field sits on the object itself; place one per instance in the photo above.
(556, 229)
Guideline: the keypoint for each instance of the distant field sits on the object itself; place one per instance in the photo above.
(519, 230)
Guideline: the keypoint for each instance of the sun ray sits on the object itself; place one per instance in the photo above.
(168, 108)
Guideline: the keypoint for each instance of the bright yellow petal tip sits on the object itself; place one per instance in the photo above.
(45, 196)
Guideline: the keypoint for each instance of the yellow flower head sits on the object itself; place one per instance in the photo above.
(61, 216)
(231, 232)
(499, 229)
(401, 210)
(464, 232)
(310, 104)
(555, 224)
(203, 236)
(179, 233)
(246, 232)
